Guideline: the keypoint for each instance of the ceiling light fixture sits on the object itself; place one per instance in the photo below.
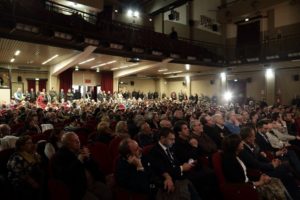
(187, 66)
(174, 72)
(86, 61)
(17, 52)
(97, 70)
(162, 70)
(103, 64)
(12, 60)
(247, 19)
(45, 62)
(115, 68)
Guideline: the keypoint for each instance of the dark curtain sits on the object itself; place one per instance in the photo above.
(42, 84)
(107, 81)
(66, 80)
(30, 84)
(248, 34)
(248, 40)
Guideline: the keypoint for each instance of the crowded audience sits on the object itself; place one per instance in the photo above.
(157, 148)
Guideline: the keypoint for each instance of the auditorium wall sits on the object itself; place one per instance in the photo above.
(137, 84)
(26, 75)
(282, 19)
(286, 87)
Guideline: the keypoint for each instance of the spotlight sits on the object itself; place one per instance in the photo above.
(97, 70)
(235, 80)
(227, 96)
(129, 13)
(150, 19)
(269, 73)
(223, 76)
(187, 66)
(136, 13)
(116, 11)
(76, 68)
(247, 19)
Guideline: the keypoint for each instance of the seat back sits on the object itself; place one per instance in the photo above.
(217, 166)
(58, 190)
(100, 153)
(122, 194)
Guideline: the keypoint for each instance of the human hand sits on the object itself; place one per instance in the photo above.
(135, 161)
(193, 142)
(169, 185)
(187, 166)
(276, 162)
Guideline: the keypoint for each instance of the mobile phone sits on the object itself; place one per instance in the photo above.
(191, 161)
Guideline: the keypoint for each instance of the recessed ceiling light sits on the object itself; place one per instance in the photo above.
(174, 72)
(45, 62)
(12, 60)
(103, 64)
(86, 61)
(17, 52)
(162, 70)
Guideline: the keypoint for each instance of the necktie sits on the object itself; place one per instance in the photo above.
(170, 155)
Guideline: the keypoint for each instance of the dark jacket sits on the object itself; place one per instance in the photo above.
(232, 169)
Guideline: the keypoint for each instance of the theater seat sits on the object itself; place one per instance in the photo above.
(232, 191)
(99, 152)
(122, 194)
(58, 190)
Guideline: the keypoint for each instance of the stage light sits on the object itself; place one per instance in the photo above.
(247, 19)
(187, 66)
(187, 79)
(129, 13)
(136, 13)
(227, 96)
(223, 76)
(269, 73)
(17, 52)
(235, 80)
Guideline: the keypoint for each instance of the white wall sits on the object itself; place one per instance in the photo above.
(143, 85)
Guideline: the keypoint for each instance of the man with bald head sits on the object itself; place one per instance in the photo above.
(76, 169)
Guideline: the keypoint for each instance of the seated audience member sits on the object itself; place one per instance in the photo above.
(265, 141)
(214, 128)
(132, 171)
(145, 136)
(187, 151)
(31, 125)
(77, 170)
(166, 166)
(235, 171)
(122, 130)
(290, 123)
(232, 123)
(104, 133)
(7, 141)
(74, 124)
(24, 170)
(164, 123)
(153, 120)
(205, 144)
(255, 159)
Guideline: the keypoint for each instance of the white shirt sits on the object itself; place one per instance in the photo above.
(8, 142)
(244, 169)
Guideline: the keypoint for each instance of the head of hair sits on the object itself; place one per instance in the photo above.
(203, 119)
(261, 123)
(124, 149)
(4, 130)
(245, 132)
(193, 123)
(120, 126)
(178, 125)
(275, 116)
(66, 137)
(231, 143)
(164, 132)
(21, 141)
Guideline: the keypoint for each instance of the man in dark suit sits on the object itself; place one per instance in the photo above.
(211, 130)
(133, 172)
(166, 166)
(186, 150)
(255, 159)
(72, 164)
